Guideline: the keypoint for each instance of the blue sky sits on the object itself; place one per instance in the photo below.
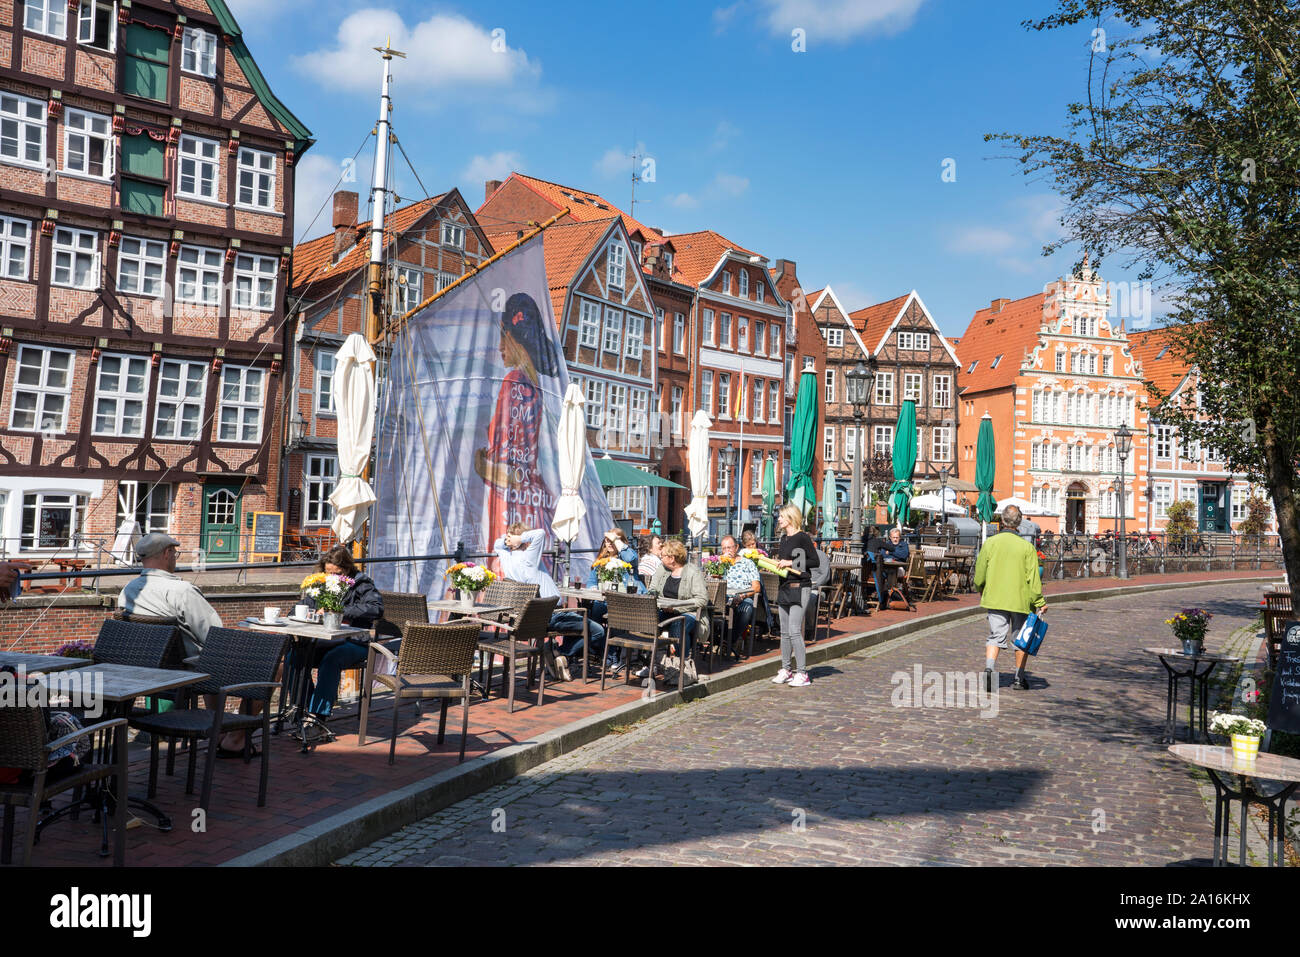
(832, 156)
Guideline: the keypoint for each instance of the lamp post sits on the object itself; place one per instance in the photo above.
(943, 495)
(859, 379)
(728, 456)
(1123, 444)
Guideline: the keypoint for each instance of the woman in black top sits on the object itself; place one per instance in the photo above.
(797, 552)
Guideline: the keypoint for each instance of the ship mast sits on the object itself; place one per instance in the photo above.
(379, 199)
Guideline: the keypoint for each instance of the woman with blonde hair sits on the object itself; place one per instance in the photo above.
(797, 552)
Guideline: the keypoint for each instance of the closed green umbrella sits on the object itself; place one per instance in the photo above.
(900, 493)
(828, 504)
(769, 497)
(985, 466)
(803, 445)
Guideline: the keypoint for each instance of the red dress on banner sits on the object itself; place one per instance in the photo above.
(513, 438)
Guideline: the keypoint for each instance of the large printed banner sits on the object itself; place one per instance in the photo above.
(467, 432)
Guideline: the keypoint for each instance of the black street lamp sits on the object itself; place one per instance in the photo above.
(943, 495)
(859, 381)
(728, 457)
(1123, 445)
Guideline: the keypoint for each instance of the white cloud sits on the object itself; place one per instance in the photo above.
(723, 134)
(316, 177)
(723, 16)
(683, 201)
(839, 21)
(982, 239)
(446, 52)
(498, 165)
(616, 162)
(729, 184)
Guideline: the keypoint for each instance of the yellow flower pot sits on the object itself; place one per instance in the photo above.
(1245, 747)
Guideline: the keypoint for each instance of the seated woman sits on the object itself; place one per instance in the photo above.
(613, 545)
(362, 607)
(679, 579)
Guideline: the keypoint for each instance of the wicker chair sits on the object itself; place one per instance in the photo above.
(632, 622)
(719, 612)
(435, 661)
(503, 591)
(125, 640)
(771, 590)
(525, 637)
(401, 607)
(1277, 611)
(239, 664)
(23, 745)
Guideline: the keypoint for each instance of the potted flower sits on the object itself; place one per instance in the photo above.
(611, 572)
(1245, 733)
(327, 592)
(77, 649)
(1189, 627)
(717, 566)
(469, 578)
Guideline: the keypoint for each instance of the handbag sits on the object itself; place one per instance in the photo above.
(672, 664)
(1031, 635)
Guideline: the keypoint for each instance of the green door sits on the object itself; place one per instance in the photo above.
(220, 531)
(1213, 514)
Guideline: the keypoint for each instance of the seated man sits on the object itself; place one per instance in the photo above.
(878, 550)
(520, 553)
(741, 580)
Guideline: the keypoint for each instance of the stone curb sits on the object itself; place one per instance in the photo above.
(319, 844)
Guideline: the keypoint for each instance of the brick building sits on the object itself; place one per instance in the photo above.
(1058, 377)
(146, 175)
(427, 246)
(805, 348)
(844, 350)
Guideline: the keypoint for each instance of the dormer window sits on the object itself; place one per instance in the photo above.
(453, 234)
(668, 260)
(616, 266)
(996, 359)
(743, 283)
(726, 283)
(760, 291)
(636, 250)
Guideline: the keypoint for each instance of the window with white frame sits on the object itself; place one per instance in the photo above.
(742, 283)
(636, 251)
(41, 390)
(120, 391)
(198, 167)
(1188, 492)
(241, 404)
(835, 338)
(1239, 496)
(850, 442)
(595, 403)
(906, 340)
(1164, 441)
(46, 16)
(756, 410)
(636, 495)
(199, 52)
(87, 144)
(616, 499)
(256, 183)
(453, 234)
(179, 410)
(97, 24)
(616, 265)
(53, 520)
(324, 361)
(726, 283)
(634, 336)
(722, 486)
(15, 247)
(1076, 362)
(882, 438)
(679, 333)
(724, 395)
(760, 290)
(320, 472)
(760, 337)
(706, 391)
(198, 275)
(1060, 361)
(724, 330)
(884, 388)
(942, 391)
(1105, 364)
(255, 282)
(941, 444)
(638, 418)
(1035, 456)
(613, 329)
(756, 469)
(148, 505)
(676, 411)
(774, 401)
(1092, 364)
(828, 444)
(1213, 455)
(707, 333)
(588, 323)
(912, 386)
(617, 415)
(410, 289)
(141, 266)
(775, 339)
(1085, 325)
(443, 280)
(922, 342)
(1162, 498)
(76, 258)
(830, 385)
(661, 341)
(742, 333)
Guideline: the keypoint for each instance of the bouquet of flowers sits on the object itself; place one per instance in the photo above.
(468, 576)
(77, 649)
(611, 569)
(759, 558)
(1190, 624)
(717, 565)
(327, 590)
(1223, 722)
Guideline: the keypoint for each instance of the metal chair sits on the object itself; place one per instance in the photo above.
(435, 661)
(632, 622)
(523, 638)
(239, 664)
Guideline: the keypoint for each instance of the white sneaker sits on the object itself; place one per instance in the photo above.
(562, 666)
(642, 672)
(801, 680)
(782, 677)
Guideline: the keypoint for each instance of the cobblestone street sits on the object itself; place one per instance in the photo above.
(1068, 772)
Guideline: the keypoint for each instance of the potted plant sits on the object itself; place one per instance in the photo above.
(1189, 627)
(327, 592)
(610, 572)
(1245, 733)
(717, 566)
(77, 649)
(469, 578)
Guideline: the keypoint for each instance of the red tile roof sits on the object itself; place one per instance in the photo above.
(567, 246)
(698, 252)
(1007, 333)
(312, 259)
(1160, 364)
(584, 206)
(873, 321)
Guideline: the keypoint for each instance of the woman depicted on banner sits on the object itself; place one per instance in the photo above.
(508, 463)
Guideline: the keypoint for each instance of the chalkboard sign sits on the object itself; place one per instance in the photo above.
(1284, 702)
(268, 533)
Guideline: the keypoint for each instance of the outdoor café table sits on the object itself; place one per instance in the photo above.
(1264, 767)
(452, 607)
(40, 664)
(121, 685)
(1200, 687)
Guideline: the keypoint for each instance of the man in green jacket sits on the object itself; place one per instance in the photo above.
(1006, 574)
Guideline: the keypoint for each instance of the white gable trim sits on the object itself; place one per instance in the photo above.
(853, 330)
(947, 346)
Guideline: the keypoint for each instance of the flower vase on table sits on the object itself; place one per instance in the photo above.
(333, 621)
(328, 591)
(469, 579)
(1245, 733)
(466, 599)
(611, 573)
(1189, 627)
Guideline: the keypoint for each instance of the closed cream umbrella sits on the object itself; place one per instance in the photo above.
(354, 404)
(697, 457)
(570, 509)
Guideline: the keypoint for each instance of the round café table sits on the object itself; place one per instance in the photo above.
(1198, 675)
(1265, 767)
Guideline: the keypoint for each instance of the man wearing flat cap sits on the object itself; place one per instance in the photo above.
(158, 593)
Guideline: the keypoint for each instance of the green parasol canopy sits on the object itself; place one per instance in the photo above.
(803, 444)
(900, 493)
(613, 474)
(829, 500)
(769, 497)
(985, 466)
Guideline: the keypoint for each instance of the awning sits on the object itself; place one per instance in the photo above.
(614, 474)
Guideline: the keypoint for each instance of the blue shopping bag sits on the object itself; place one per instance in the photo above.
(1031, 635)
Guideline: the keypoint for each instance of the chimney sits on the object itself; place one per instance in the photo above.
(490, 187)
(784, 266)
(345, 222)
(997, 304)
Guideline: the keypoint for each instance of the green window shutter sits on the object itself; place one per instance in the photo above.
(147, 52)
(143, 198)
(142, 156)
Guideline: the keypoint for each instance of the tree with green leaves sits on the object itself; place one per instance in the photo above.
(1184, 161)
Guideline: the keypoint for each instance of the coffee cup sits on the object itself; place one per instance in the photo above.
(302, 611)
(270, 614)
